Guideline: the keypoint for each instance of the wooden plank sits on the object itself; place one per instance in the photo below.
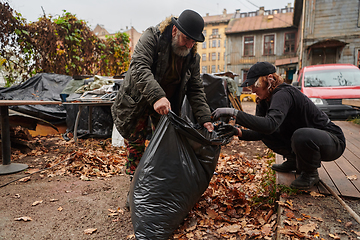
(27, 102)
(283, 178)
(351, 128)
(353, 148)
(341, 182)
(349, 170)
(326, 178)
(351, 102)
(352, 158)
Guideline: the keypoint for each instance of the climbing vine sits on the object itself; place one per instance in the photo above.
(62, 45)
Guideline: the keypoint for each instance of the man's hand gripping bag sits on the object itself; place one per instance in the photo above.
(173, 173)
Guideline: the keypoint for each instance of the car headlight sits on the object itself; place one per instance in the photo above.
(317, 101)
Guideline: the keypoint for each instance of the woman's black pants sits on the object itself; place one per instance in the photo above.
(310, 146)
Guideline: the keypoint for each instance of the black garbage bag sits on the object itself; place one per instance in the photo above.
(173, 173)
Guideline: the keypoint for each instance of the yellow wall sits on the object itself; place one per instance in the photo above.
(218, 63)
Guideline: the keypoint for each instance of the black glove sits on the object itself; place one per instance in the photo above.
(223, 112)
(226, 131)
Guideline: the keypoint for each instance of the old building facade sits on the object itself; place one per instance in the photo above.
(329, 31)
(263, 35)
(212, 50)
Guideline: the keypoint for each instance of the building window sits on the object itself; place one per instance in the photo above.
(203, 57)
(218, 56)
(249, 46)
(204, 45)
(213, 56)
(204, 33)
(215, 31)
(204, 69)
(214, 43)
(289, 46)
(269, 44)
(218, 43)
(213, 68)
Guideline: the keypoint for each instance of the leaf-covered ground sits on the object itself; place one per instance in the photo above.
(78, 190)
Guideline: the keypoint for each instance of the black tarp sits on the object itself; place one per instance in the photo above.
(215, 88)
(102, 122)
(41, 87)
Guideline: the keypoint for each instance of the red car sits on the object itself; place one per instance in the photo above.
(327, 84)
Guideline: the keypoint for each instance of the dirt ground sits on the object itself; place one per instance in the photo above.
(68, 206)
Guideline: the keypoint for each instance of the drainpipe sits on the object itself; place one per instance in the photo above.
(302, 35)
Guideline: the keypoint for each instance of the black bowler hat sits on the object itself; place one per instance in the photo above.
(257, 70)
(191, 24)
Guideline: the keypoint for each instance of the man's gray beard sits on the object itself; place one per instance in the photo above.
(180, 51)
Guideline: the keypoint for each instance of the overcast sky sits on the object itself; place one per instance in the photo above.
(117, 15)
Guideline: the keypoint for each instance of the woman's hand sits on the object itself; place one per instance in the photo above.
(223, 112)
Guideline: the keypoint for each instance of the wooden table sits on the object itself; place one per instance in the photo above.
(355, 102)
(7, 167)
(90, 104)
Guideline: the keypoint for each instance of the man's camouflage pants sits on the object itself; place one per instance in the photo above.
(135, 144)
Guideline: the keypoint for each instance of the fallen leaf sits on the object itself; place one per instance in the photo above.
(54, 200)
(32, 170)
(37, 202)
(308, 228)
(17, 196)
(132, 236)
(352, 177)
(319, 219)
(266, 229)
(25, 219)
(348, 224)
(60, 209)
(121, 211)
(316, 194)
(230, 229)
(211, 213)
(25, 179)
(289, 214)
(90, 230)
(357, 233)
(84, 178)
(334, 236)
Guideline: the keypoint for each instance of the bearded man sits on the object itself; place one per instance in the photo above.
(164, 68)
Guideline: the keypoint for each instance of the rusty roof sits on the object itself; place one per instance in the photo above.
(262, 22)
(218, 18)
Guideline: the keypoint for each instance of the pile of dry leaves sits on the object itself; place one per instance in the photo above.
(231, 208)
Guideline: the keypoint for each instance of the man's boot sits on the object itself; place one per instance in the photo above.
(306, 180)
(288, 166)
